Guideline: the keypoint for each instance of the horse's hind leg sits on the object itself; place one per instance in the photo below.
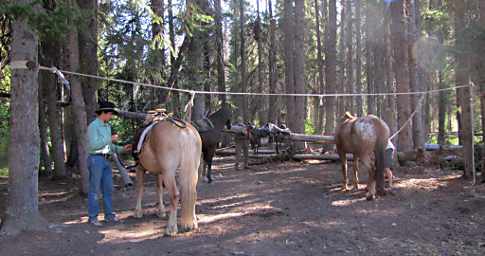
(355, 168)
(171, 185)
(343, 162)
(161, 208)
(140, 173)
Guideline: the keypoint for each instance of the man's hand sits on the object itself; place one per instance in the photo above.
(128, 147)
(114, 138)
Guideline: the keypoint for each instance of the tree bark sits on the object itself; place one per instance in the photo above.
(321, 85)
(331, 65)
(300, 115)
(158, 25)
(289, 48)
(78, 109)
(242, 49)
(341, 59)
(54, 115)
(272, 108)
(221, 76)
(349, 78)
(418, 126)
(23, 153)
(370, 25)
(358, 59)
(462, 77)
(45, 161)
(401, 72)
(481, 77)
(88, 48)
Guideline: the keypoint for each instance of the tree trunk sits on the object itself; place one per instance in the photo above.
(370, 25)
(341, 59)
(54, 115)
(358, 59)
(88, 48)
(299, 126)
(321, 85)
(289, 48)
(349, 78)
(331, 65)
(272, 108)
(401, 72)
(462, 77)
(221, 77)
(415, 85)
(242, 49)
(45, 161)
(158, 26)
(481, 78)
(71, 55)
(23, 152)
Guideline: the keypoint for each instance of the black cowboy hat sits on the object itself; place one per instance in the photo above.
(106, 106)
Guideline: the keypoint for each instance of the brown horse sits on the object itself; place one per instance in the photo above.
(169, 148)
(364, 137)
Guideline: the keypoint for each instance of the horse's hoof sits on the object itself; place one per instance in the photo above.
(369, 197)
(138, 214)
(209, 180)
(171, 230)
(188, 227)
(381, 192)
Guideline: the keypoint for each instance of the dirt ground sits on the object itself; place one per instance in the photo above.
(274, 209)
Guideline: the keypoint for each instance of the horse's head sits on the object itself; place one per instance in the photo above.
(222, 116)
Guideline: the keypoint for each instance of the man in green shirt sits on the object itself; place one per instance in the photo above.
(100, 147)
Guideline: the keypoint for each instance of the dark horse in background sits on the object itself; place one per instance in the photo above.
(210, 129)
(366, 138)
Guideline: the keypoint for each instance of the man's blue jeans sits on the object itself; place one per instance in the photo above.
(100, 179)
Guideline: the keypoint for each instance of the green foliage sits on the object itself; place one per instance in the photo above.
(4, 172)
(50, 24)
(309, 129)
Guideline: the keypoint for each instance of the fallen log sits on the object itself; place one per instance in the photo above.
(320, 139)
(132, 115)
(330, 157)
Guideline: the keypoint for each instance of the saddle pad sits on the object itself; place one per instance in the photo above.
(143, 136)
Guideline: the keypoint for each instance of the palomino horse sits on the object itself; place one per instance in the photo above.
(169, 148)
(211, 135)
(364, 137)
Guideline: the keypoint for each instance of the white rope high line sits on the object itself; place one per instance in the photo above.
(54, 69)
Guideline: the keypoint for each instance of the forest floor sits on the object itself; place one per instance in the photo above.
(274, 209)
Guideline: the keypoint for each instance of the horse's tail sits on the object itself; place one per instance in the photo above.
(189, 177)
(380, 154)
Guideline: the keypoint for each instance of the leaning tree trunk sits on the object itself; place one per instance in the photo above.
(71, 51)
(88, 48)
(331, 65)
(401, 72)
(23, 153)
